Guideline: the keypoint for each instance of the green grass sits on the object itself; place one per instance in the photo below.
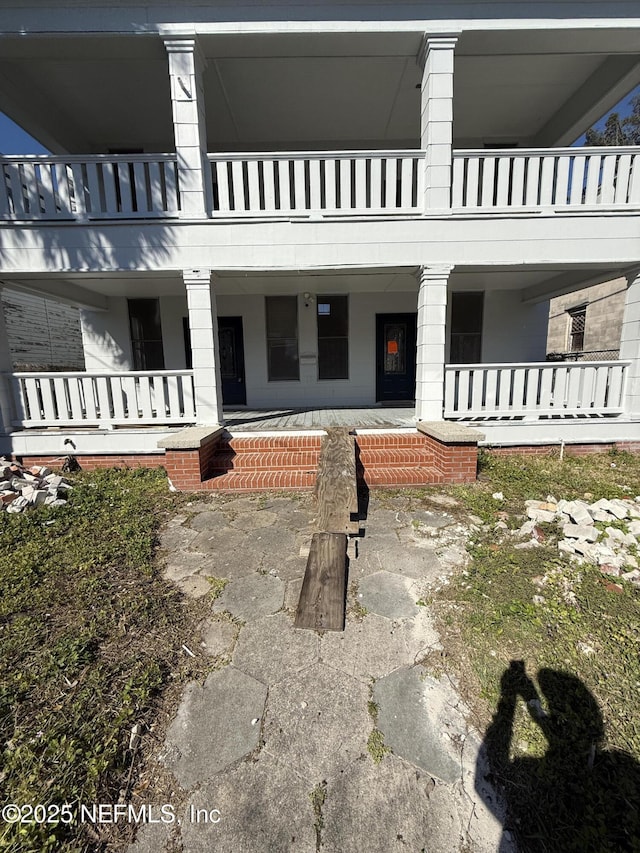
(89, 636)
(583, 638)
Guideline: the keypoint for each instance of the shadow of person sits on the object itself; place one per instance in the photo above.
(577, 796)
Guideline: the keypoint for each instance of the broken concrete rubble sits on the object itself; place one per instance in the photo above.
(612, 549)
(22, 488)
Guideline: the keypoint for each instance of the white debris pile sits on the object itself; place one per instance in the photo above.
(605, 533)
(23, 488)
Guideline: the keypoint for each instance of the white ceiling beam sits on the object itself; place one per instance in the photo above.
(60, 290)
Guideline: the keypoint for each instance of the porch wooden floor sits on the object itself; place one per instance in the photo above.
(383, 417)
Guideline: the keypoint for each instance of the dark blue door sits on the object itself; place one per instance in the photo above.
(231, 347)
(395, 357)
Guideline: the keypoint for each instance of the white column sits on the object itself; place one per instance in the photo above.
(436, 119)
(203, 327)
(630, 343)
(186, 66)
(430, 355)
(6, 368)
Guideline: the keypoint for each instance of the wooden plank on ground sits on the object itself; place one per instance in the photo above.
(322, 599)
(336, 487)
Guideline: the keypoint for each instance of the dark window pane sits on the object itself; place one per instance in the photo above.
(395, 348)
(283, 360)
(146, 334)
(333, 337)
(282, 337)
(466, 312)
(333, 358)
(466, 328)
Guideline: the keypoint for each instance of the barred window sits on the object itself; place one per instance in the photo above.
(578, 318)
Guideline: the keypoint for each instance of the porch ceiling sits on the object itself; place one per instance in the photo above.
(537, 283)
(327, 90)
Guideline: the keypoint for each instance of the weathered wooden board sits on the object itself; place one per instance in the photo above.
(336, 486)
(322, 599)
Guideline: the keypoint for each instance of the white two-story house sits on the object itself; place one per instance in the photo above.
(328, 205)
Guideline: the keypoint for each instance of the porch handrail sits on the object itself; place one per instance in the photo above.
(88, 186)
(280, 183)
(543, 178)
(78, 398)
(535, 388)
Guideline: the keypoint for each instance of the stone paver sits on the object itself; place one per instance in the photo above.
(216, 724)
(195, 586)
(263, 807)
(317, 721)
(218, 636)
(409, 558)
(419, 721)
(254, 520)
(208, 521)
(388, 595)
(181, 564)
(386, 808)
(367, 649)
(271, 649)
(251, 597)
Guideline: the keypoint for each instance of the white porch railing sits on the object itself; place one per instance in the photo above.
(546, 178)
(531, 390)
(325, 182)
(102, 399)
(88, 187)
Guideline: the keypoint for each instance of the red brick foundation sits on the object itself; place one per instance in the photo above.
(569, 449)
(455, 463)
(388, 459)
(92, 461)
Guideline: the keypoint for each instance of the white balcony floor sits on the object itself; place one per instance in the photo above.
(241, 420)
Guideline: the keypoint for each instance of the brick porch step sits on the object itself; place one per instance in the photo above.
(398, 477)
(265, 460)
(396, 459)
(261, 481)
(260, 463)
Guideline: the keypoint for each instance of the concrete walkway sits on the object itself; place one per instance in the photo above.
(340, 743)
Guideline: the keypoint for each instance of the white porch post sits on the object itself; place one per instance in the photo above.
(6, 367)
(630, 343)
(430, 354)
(436, 119)
(203, 326)
(186, 66)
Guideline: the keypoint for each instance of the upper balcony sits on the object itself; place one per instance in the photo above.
(379, 183)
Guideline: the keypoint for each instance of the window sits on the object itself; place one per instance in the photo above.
(282, 337)
(333, 337)
(146, 334)
(577, 321)
(466, 328)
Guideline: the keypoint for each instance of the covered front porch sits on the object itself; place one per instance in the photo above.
(292, 351)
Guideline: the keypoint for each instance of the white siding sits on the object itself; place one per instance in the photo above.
(42, 334)
(106, 337)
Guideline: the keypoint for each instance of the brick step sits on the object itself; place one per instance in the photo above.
(371, 441)
(396, 457)
(398, 477)
(265, 460)
(258, 444)
(260, 481)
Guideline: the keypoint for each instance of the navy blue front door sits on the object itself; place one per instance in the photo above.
(231, 348)
(395, 357)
